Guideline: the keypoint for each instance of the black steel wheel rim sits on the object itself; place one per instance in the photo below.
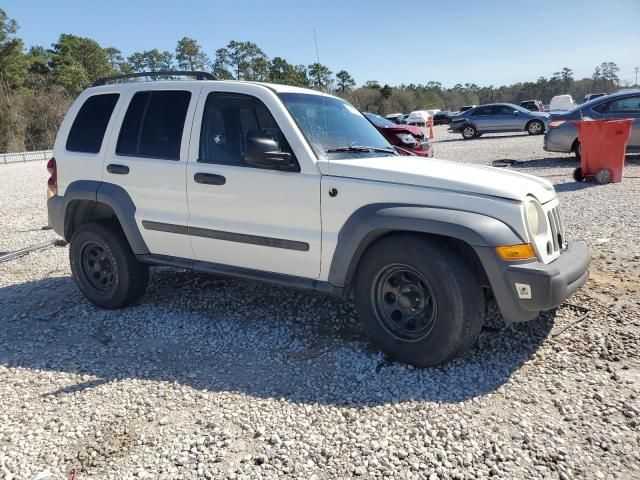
(98, 267)
(404, 302)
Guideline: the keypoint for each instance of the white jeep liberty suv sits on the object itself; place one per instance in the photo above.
(291, 186)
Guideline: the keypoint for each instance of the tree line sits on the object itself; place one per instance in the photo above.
(38, 85)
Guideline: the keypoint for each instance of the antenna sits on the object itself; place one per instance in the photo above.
(324, 111)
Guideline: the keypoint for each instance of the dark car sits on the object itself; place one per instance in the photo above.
(498, 117)
(407, 137)
(442, 118)
(465, 108)
(533, 105)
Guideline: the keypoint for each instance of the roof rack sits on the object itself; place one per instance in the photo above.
(161, 73)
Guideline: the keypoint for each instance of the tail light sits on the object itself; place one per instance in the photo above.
(52, 183)
(556, 123)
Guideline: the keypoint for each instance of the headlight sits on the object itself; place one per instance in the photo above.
(533, 217)
(537, 225)
(407, 138)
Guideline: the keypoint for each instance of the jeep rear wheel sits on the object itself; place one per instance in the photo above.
(104, 267)
(420, 303)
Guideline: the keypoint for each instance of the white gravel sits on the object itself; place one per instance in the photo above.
(217, 378)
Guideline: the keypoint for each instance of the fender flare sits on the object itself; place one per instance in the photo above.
(111, 195)
(371, 222)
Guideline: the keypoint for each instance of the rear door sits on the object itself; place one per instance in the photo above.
(147, 157)
(483, 119)
(621, 108)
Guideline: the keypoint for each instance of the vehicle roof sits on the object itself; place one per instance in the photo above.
(150, 85)
(606, 98)
(496, 104)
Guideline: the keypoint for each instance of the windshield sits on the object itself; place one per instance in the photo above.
(378, 121)
(329, 123)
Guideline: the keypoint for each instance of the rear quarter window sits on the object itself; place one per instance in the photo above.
(89, 126)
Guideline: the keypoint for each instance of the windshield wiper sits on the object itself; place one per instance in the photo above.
(359, 149)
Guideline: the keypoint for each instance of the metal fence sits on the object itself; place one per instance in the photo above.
(25, 156)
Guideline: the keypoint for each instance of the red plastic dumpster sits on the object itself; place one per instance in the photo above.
(602, 149)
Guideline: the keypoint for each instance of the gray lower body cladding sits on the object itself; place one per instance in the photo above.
(550, 283)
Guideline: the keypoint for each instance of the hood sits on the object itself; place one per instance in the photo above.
(542, 115)
(415, 131)
(465, 178)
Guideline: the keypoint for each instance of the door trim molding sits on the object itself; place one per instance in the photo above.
(227, 236)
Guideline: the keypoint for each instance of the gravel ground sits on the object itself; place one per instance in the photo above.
(217, 378)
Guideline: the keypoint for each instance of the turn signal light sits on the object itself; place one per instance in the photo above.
(516, 252)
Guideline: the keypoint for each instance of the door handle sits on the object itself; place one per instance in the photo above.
(209, 179)
(117, 169)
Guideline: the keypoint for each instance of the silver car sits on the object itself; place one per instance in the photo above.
(562, 135)
(498, 117)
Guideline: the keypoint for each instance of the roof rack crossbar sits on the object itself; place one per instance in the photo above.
(161, 73)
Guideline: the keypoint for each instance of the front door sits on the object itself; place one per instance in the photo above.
(241, 215)
(508, 119)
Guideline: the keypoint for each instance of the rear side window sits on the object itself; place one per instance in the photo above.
(483, 111)
(90, 124)
(621, 106)
(153, 124)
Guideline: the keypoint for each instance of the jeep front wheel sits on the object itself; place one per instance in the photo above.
(104, 267)
(417, 300)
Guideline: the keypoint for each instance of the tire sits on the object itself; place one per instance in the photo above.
(418, 268)
(104, 267)
(603, 176)
(469, 132)
(577, 174)
(535, 127)
(577, 150)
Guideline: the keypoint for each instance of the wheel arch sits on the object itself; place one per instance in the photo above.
(460, 230)
(87, 201)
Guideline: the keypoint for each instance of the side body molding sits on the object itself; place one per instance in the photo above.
(107, 193)
(368, 223)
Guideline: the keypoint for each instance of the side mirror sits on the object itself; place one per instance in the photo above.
(516, 112)
(263, 151)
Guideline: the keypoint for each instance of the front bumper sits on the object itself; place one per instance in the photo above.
(548, 284)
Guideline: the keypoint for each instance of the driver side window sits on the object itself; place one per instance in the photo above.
(228, 121)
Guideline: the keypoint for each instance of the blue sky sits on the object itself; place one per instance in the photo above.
(488, 42)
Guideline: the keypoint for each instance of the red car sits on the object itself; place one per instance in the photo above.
(408, 138)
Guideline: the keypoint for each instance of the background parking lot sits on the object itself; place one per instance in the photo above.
(218, 378)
